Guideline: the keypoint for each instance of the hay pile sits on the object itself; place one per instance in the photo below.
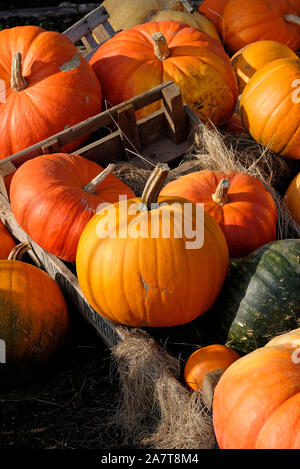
(155, 409)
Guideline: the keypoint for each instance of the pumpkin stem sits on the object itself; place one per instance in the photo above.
(91, 187)
(154, 185)
(292, 18)
(161, 49)
(17, 81)
(18, 251)
(221, 194)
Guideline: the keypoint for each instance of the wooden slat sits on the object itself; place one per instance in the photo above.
(128, 128)
(89, 125)
(105, 150)
(152, 128)
(87, 23)
(175, 113)
(89, 41)
(50, 147)
(103, 31)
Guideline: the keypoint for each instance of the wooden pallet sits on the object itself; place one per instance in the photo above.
(161, 136)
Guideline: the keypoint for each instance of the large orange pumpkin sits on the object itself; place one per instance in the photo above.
(6, 241)
(270, 109)
(46, 87)
(52, 202)
(240, 204)
(254, 20)
(139, 264)
(207, 359)
(213, 10)
(34, 321)
(254, 56)
(257, 400)
(292, 198)
(144, 56)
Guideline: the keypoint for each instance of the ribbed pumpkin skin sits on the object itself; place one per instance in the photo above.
(7, 242)
(254, 56)
(126, 66)
(213, 10)
(261, 296)
(49, 203)
(193, 20)
(257, 401)
(34, 320)
(53, 99)
(205, 360)
(254, 20)
(150, 281)
(269, 107)
(248, 220)
(292, 197)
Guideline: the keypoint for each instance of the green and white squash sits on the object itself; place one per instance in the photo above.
(261, 296)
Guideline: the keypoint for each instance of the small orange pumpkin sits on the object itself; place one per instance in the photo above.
(205, 360)
(239, 203)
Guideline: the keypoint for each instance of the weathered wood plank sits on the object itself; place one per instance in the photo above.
(175, 113)
(128, 128)
(86, 24)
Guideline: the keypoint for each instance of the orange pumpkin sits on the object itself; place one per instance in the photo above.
(292, 197)
(144, 56)
(254, 20)
(240, 204)
(48, 87)
(205, 360)
(139, 265)
(254, 56)
(52, 200)
(269, 107)
(257, 400)
(6, 242)
(34, 321)
(213, 10)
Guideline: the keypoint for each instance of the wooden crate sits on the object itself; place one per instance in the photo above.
(160, 137)
(92, 30)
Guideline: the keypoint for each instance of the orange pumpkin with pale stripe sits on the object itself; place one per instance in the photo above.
(144, 56)
(51, 202)
(257, 400)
